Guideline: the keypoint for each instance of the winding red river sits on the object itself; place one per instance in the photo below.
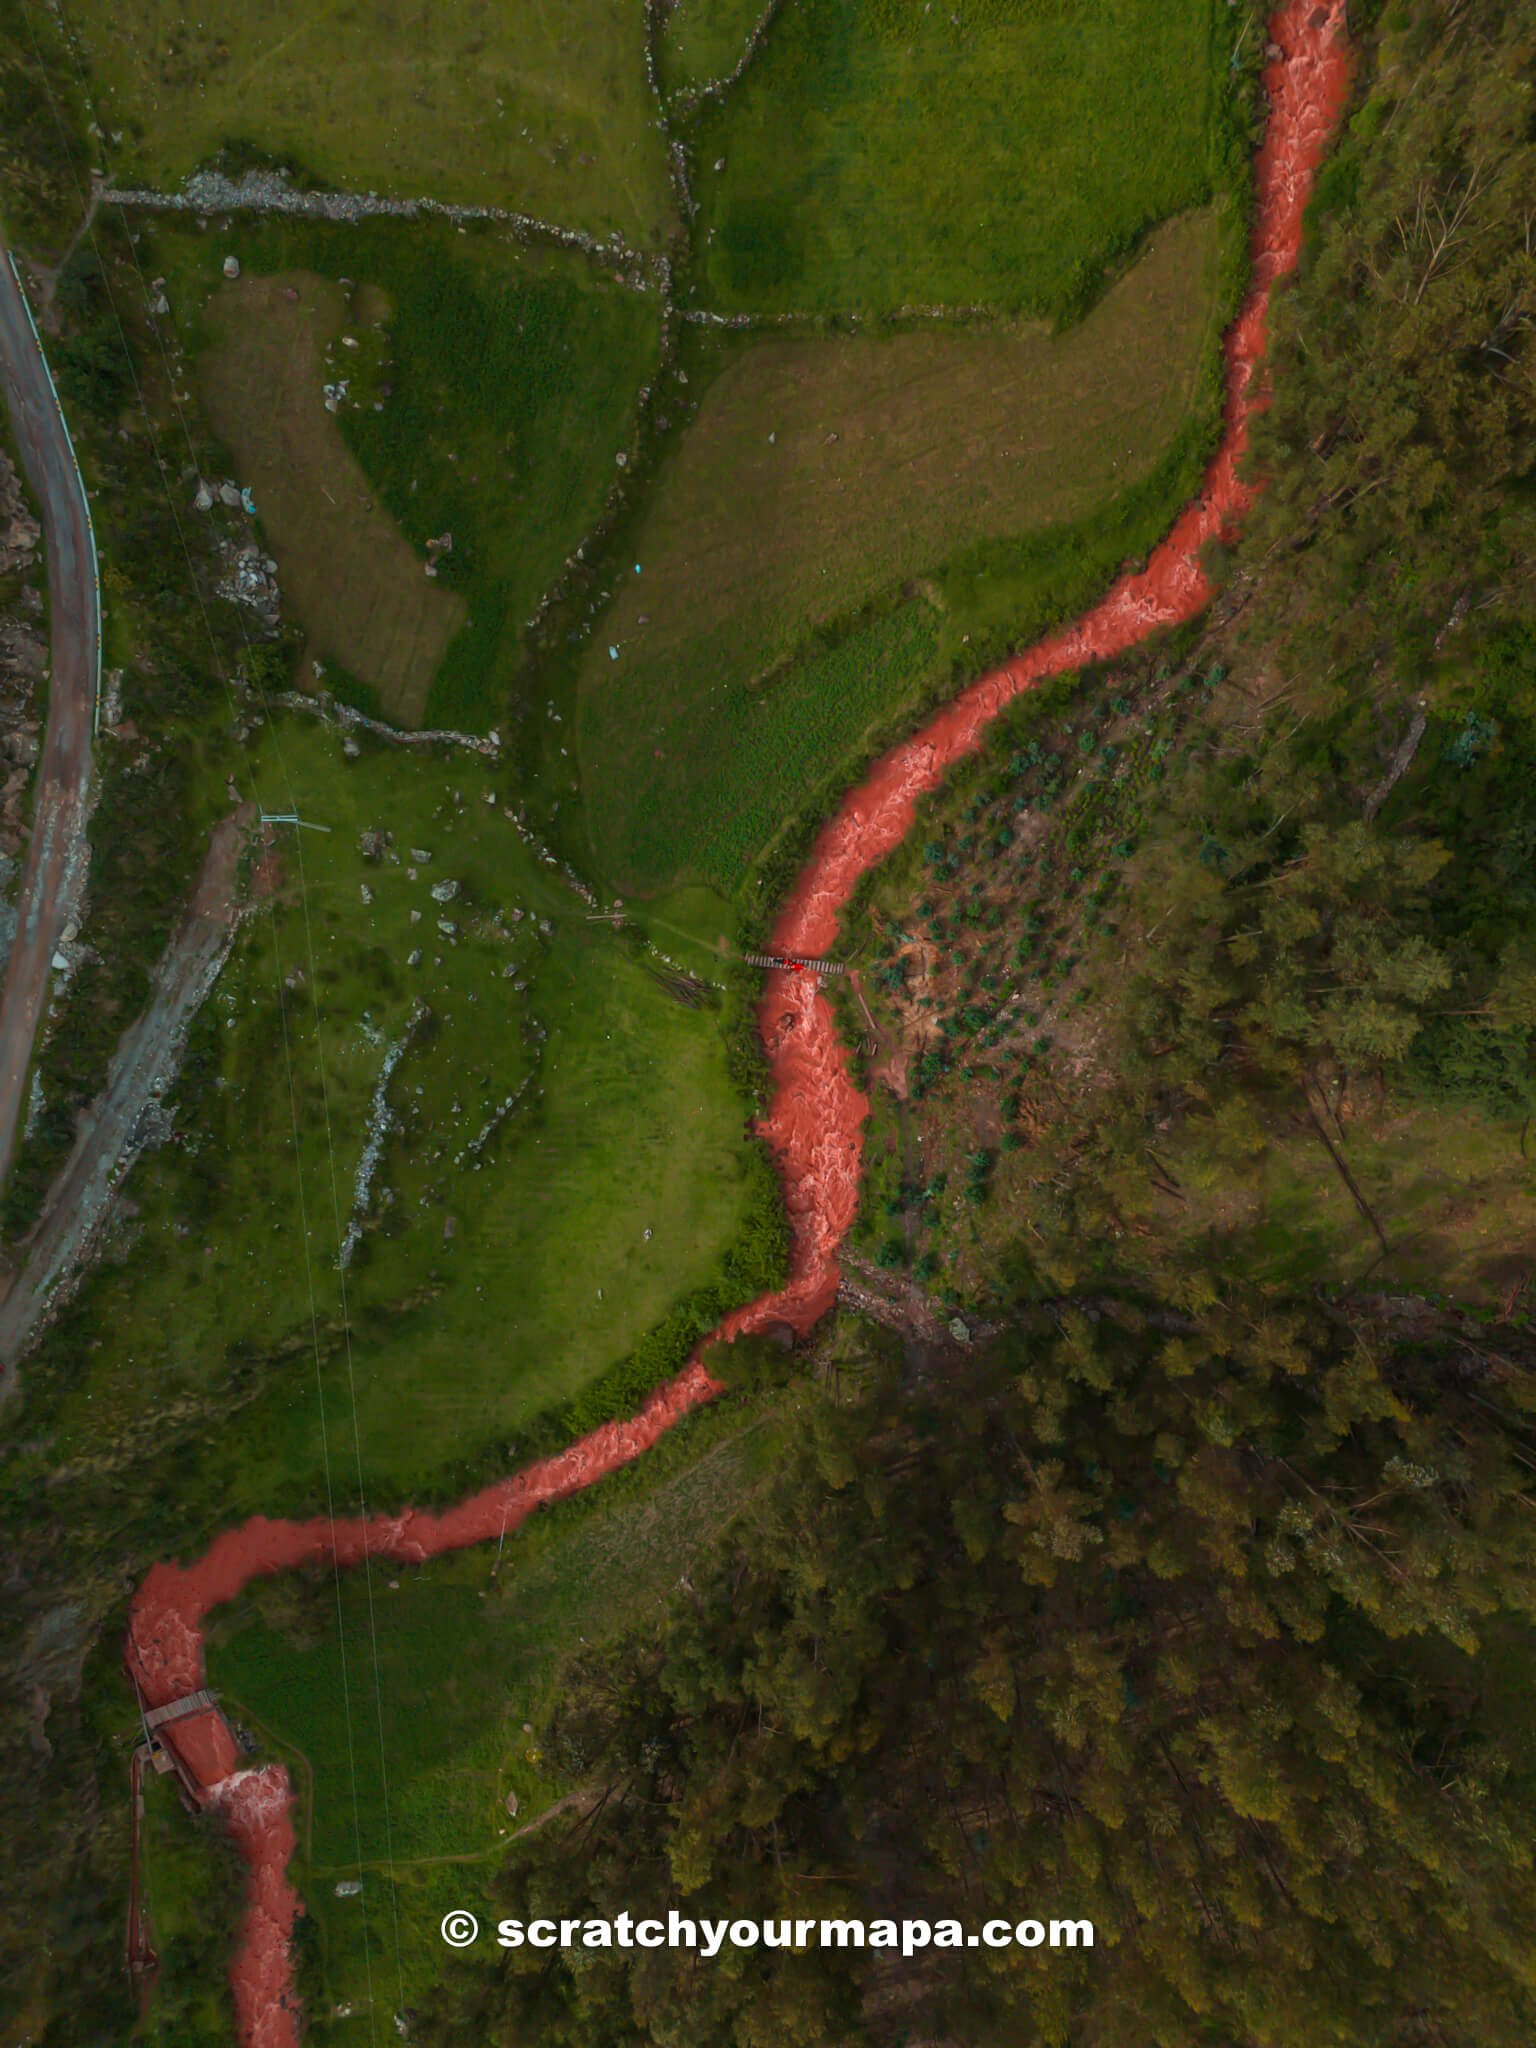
(815, 1122)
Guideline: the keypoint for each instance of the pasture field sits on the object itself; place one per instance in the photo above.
(491, 102)
(351, 577)
(821, 473)
(998, 152)
(703, 40)
(565, 1166)
(490, 388)
(451, 1659)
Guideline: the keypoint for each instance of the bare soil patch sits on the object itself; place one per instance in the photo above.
(354, 582)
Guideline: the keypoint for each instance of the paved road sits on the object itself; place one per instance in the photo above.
(57, 852)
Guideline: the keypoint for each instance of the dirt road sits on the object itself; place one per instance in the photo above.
(57, 853)
(123, 1119)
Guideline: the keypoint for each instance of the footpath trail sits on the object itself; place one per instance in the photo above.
(815, 1121)
(57, 852)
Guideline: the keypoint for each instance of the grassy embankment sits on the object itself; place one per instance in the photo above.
(43, 152)
(469, 1649)
(494, 104)
(992, 154)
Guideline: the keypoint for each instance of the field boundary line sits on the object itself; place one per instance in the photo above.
(210, 192)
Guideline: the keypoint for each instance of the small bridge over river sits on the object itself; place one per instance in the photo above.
(795, 963)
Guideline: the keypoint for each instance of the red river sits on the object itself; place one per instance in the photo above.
(814, 1124)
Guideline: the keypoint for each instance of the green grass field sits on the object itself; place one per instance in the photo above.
(488, 103)
(454, 1658)
(490, 389)
(510, 1260)
(349, 575)
(193, 1884)
(930, 457)
(998, 152)
(703, 40)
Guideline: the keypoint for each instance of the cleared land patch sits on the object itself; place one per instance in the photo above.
(352, 579)
(498, 102)
(489, 391)
(820, 472)
(998, 152)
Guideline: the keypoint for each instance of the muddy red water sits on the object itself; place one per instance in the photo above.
(814, 1125)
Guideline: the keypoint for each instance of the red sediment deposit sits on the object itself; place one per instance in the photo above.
(815, 1122)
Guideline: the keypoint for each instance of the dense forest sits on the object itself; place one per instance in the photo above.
(1197, 1605)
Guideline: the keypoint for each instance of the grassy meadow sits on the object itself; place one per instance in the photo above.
(454, 1658)
(350, 576)
(487, 103)
(193, 1884)
(703, 40)
(962, 463)
(565, 1165)
(490, 388)
(997, 153)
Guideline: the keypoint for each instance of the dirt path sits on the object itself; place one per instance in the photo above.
(815, 1121)
(57, 852)
(120, 1122)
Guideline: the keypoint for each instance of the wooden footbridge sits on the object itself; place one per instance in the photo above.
(795, 963)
